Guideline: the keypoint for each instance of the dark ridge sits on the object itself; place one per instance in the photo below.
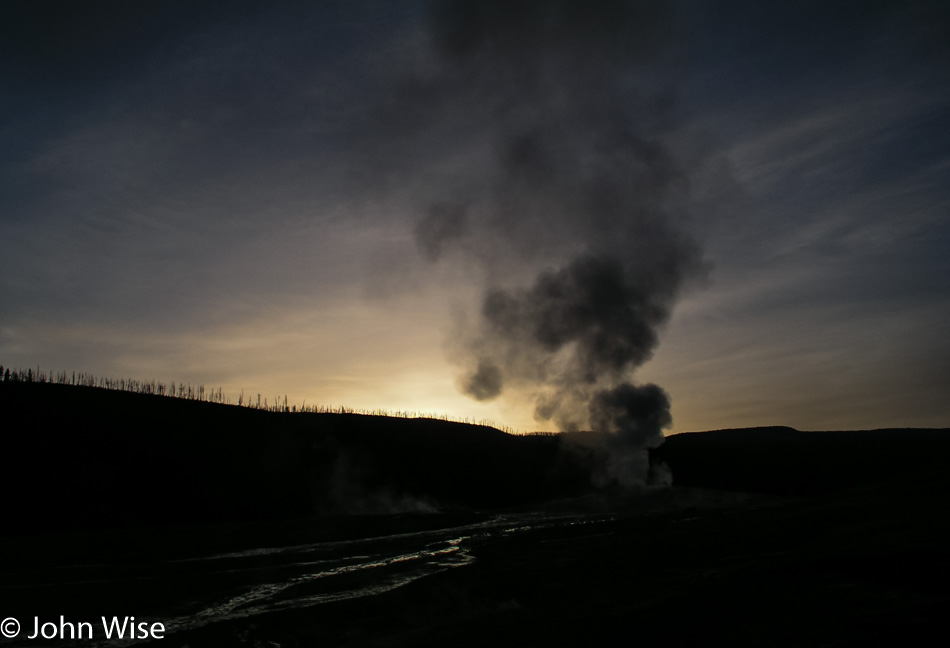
(782, 460)
(79, 457)
(750, 431)
(84, 457)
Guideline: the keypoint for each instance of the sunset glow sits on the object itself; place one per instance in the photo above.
(262, 200)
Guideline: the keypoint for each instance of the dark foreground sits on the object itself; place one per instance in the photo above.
(237, 527)
(679, 567)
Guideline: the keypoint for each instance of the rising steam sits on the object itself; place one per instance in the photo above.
(568, 201)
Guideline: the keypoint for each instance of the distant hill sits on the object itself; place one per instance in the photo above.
(86, 457)
(787, 461)
(79, 457)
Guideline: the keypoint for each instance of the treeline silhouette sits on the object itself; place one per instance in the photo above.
(187, 391)
(94, 454)
(80, 456)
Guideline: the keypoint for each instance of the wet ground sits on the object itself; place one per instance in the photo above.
(677, 567)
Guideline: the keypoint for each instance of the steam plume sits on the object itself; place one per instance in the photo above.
(569, 200)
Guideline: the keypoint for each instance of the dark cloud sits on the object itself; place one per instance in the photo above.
(607, 315)
(564, 113)
(635, 417)
(640, 413)
(444, 226)
(485, 383)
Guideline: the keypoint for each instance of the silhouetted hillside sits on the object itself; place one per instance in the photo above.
(783, 460)
(81, 456)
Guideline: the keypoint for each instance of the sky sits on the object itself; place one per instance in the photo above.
(496, 211)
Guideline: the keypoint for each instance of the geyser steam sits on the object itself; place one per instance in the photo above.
(570, 200)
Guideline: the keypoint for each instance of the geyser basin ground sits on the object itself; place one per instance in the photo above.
(680, 567)
(200, 516)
